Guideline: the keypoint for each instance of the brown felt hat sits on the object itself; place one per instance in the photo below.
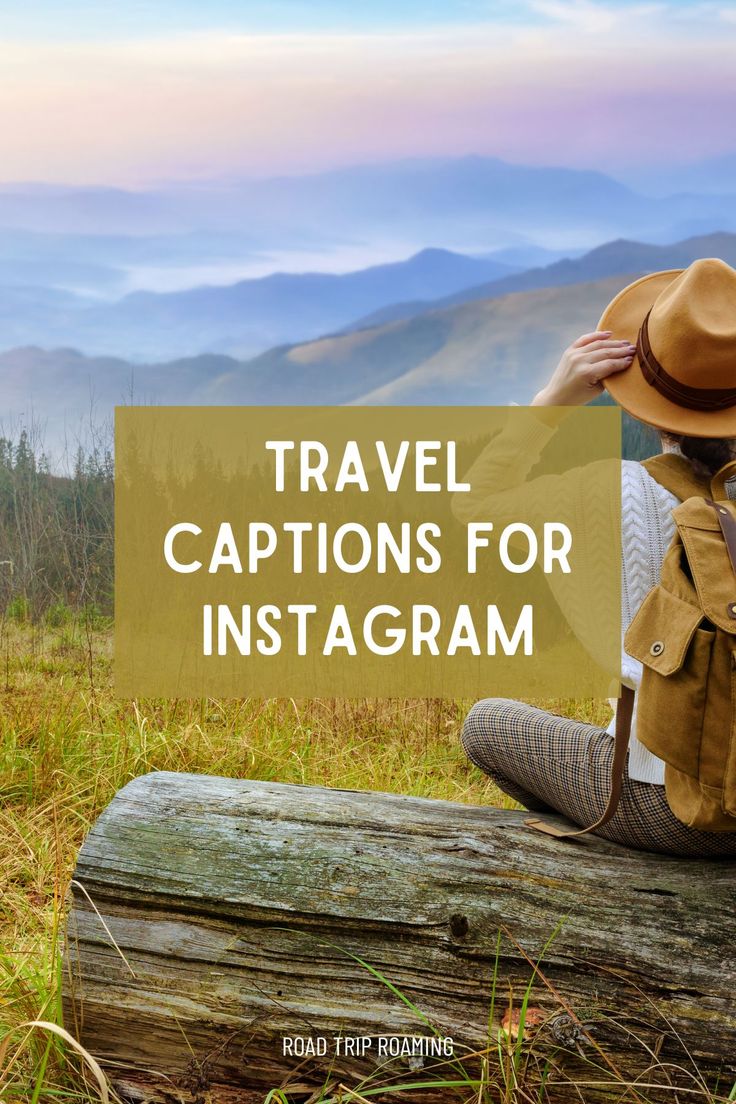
(683, 323)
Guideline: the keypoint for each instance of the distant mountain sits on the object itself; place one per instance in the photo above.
(35, 310)
(46, 274)
(709, 176)
(251, 316)
(64, 395)
(606, 260)
(110, 264)
(483, 202)
(465, 203)
(243, 318)
(525, 256)
(87, 210)
(491, 351)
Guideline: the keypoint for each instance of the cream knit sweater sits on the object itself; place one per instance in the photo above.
(646, 531)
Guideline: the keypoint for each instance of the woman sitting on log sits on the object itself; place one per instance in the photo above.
(666, 351)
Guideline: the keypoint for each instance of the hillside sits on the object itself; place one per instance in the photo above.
(68, 398)
(487, 351)
(611, 259)
(491, 351)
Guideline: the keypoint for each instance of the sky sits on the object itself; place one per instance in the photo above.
(138, 94)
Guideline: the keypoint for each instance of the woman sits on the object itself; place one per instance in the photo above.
(665, 349)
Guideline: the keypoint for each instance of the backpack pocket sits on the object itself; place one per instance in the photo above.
(673, 642)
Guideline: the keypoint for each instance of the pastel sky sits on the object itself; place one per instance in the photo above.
(160, 90)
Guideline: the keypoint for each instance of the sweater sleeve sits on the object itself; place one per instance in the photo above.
(502, 467)
(585, 498)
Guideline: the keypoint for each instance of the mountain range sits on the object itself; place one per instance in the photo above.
(710, 175)
(105, 242)
(251, 316)
(613, 258)
(242, 319)
(488, 351)
(493, 342)
(466, 197)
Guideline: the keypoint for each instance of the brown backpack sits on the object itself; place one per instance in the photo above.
(684, 634)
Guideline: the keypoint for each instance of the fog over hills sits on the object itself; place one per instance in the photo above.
(241, 319)
(106, 241)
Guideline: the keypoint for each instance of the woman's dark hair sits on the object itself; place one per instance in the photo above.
(706, 454)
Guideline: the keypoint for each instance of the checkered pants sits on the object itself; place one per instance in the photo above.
(552, 764)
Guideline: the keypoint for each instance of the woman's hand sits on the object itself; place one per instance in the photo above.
(577, 378)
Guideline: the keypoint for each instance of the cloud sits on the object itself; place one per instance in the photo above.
(584, 15)
(601, 85)
(592, 17)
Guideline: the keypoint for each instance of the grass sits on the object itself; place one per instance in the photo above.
(67, 745)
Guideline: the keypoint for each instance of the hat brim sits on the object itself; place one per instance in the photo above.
(624, 316)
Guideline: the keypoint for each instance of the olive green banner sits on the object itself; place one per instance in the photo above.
(367, 551)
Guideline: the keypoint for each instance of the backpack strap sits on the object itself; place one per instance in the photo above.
(727, 523)
(723, 483)
(675, 474)
(624, 713)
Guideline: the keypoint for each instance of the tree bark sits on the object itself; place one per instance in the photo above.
(212, 919)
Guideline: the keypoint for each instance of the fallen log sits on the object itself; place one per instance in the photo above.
(214, 923)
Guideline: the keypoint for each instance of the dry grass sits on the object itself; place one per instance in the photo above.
(67, 745)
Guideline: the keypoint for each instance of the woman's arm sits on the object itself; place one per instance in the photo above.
(577, 378)
(505, 463)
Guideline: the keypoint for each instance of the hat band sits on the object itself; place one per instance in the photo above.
(694, 398)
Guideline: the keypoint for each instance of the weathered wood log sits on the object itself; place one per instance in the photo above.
(213, 920)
